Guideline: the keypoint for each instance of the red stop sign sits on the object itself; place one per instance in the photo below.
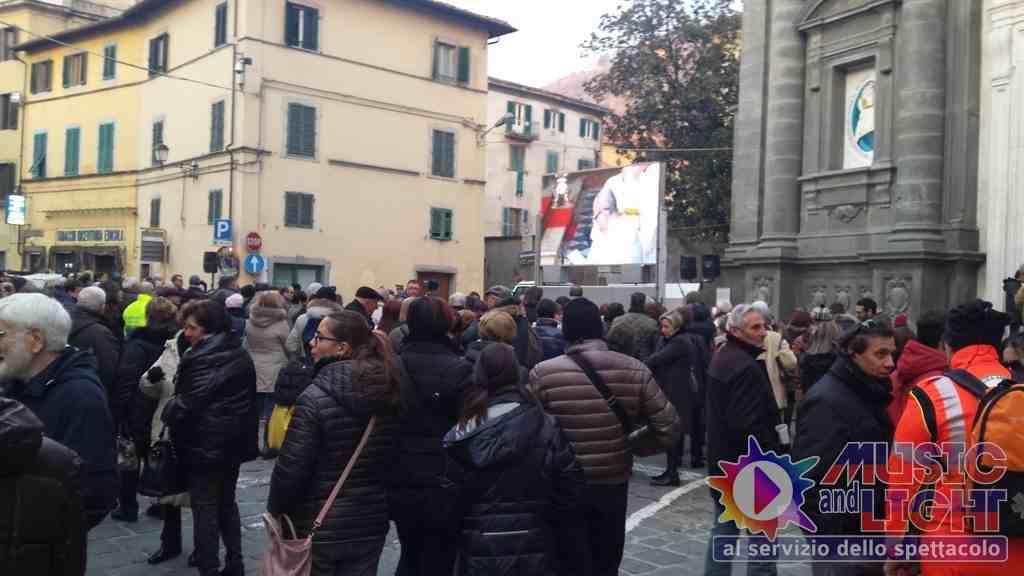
(253, 242)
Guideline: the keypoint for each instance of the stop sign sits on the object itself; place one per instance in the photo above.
(253, 242)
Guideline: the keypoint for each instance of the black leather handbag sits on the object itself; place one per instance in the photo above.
(160, 469)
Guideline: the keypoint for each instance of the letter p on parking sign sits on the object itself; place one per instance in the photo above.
(222, 232)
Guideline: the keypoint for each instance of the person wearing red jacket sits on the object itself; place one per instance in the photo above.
(972, 335)
(922, 359)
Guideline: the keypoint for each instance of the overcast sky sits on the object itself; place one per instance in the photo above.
(546, 47)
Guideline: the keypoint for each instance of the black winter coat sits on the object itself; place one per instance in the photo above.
(141, 351)
(672, 365)
(326, 426)
(813, 367)
(431, 389)
(41, 528)
(213, 415)
(474, 350)
(740, 403)
(551, 339)
(89, 331)
(521, 483)
(846, 405)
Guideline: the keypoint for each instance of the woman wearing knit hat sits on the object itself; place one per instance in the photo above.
(518, 465)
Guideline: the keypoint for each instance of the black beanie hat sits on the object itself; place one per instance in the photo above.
(974, 323)
(581, 320)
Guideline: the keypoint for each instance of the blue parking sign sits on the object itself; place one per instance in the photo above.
(222, 232)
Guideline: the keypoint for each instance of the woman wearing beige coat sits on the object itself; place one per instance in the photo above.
(266, 339)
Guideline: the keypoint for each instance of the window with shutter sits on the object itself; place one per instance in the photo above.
(110, 62)
(215, 201)
(517, 156)
(298, 210)
(39, 155)
(6, 180)
(597, 131)
(217, 126)
(158, 139)
(445, 65)
(440, 224)
(291, 209)
(301, 26)
(75, 70)
(547, 119)
(528, 123)
(520, 183)
(158, 54)
(8, 113)
(443, 150)
(105, 157)
(42, 77)
(306, 210)
(154, 213)
(71, 147)
(301, 139)
(561, 122)
(220, 24)
(583, 164)
(8, 40)
(552, 162)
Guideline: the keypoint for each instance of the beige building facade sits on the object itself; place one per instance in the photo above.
(549, 134)
(19, 20)
(341, 132)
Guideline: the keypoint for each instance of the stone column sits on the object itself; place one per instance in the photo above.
(784, 130)
(749, 153)
(920, 124)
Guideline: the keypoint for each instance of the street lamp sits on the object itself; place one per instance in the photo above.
(506, 119)
(160, 152)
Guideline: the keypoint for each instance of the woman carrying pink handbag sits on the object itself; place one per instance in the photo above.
(330, 476)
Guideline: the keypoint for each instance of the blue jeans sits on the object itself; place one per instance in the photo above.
(729, 531)
(266, 403)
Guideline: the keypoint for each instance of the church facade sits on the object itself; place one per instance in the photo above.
(857, 155)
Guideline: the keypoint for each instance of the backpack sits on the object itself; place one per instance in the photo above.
(1000, 409)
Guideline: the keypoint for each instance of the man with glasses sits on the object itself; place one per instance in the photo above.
(849, 404)
(740, 403)
(59, 384)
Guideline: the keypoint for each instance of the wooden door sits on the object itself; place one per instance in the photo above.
(444, 283)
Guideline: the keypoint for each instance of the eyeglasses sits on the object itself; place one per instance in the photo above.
(317, 337)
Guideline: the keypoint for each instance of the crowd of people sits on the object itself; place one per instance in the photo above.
(500, 429)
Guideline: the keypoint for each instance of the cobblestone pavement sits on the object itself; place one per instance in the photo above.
(671, 539)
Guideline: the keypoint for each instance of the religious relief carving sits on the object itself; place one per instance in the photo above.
(762, 289)
(897, 296)
(843, 297)
(846, 213)
(818, 295)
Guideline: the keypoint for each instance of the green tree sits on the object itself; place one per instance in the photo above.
(676, 64)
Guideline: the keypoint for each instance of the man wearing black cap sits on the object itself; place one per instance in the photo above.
(365, 303)
(595, 431)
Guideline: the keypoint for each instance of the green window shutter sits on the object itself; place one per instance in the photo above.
(520, 183)
(438, 154)
(306, 210)
(510, 109)
(214, 206)
(71, 146)
(447, 217)
(67, 71)
(463, 76)
(154, 213)
(528, 126)
(434, 61)
(449, 154)
(291, 24)
(158, 138)
(583, 127)
(105, 158)
(217, 127)
(547, 119)
(552, 162)
(294, 128)
(435, 224)
(154, 64)
(291, 209)
(39, 155)
(310, 30)
(84, 72)
(34, 79)
(220, 26)
(561, 121)
(109, 62)
(597, 131)
(309, 131)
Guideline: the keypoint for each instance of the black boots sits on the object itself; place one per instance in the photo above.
(668, 478)
(164, 554)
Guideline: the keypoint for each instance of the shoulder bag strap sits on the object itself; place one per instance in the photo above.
(609, 397)
(344, 476)
(968, 382)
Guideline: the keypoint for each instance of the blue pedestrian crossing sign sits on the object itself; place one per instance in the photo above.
(255, 263)
(222, 232)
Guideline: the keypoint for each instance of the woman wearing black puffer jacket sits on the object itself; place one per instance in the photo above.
(422, 503)
(213, 418)
(521, 478)
(355, 379)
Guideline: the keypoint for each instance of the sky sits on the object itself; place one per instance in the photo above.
(546, 47)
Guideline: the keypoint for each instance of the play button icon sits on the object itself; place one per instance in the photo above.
(762, 490)
(765, 491)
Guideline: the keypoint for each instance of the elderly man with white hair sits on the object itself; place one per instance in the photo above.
(59, 384)
(740, 404)
(90, 332)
